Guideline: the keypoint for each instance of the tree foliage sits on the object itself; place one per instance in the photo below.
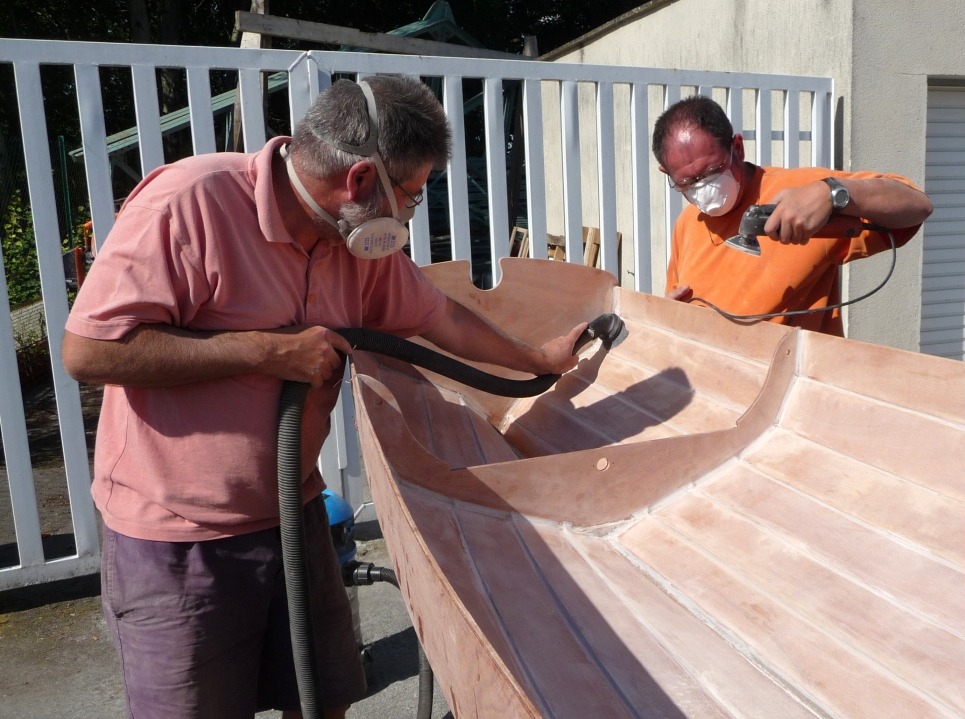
(497, 24)
(20, 254)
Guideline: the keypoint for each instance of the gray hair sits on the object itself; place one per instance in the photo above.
(413, 128)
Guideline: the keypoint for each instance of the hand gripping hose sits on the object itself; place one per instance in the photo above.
(608, 328)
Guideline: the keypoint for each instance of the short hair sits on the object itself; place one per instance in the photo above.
(698, 111)
(413, 128)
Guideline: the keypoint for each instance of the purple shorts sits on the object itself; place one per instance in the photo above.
(201, 628)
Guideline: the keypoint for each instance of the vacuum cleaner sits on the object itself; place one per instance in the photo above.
(608, 328)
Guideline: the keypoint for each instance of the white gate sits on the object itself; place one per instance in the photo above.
(582, 126)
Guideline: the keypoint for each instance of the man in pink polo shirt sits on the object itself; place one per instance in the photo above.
(223, 276)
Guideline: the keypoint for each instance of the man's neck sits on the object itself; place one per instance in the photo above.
(298, 219)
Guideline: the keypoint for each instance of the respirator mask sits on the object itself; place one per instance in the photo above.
(714, 196)
(374, 238)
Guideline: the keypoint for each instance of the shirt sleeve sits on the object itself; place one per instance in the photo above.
(401, 299)
(142, 275)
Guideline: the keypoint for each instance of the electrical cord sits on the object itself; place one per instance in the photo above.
(790, 313)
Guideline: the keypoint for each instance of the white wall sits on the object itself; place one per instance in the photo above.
(880, 54)
(898, 46)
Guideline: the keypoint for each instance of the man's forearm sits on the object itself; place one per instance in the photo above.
(161, 356)
(471, 337)
(887, 202)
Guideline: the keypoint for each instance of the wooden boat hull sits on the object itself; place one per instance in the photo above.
(710, 520)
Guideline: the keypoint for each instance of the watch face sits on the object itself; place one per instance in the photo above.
(840, 197)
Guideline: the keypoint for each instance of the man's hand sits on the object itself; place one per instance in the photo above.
(800, 213)
(305, 354)
(683, 293)
(558, 354)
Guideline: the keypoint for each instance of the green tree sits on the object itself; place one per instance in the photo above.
(20, 253)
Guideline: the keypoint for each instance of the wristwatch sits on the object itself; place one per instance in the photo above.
(840, 197)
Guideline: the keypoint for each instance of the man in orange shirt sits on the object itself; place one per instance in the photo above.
(695, 146)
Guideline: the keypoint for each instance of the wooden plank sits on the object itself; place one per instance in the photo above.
(883, 632)
(276, 26)
(903, 442)
(699, 661)
(835, 676)
(851, 546)
(922, 517)
(578, 687)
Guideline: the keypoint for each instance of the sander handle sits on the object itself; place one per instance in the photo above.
(837, 227)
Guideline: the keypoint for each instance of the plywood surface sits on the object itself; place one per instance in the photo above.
(708, 521)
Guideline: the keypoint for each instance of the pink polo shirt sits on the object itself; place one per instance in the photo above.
(200, 245)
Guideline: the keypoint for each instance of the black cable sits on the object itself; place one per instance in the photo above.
(791, 313)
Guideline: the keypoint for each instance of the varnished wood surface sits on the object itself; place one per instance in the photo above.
(709, 521)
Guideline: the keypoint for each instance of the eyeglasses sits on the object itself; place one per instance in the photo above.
(712, 173)
(413, 201)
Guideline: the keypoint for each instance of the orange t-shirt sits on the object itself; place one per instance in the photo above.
(785, 277)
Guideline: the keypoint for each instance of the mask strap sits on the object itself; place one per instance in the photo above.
(371, 145)
(370, 148)
(301, 189)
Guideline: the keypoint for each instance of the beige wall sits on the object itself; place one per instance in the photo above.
(898, 46)
(879, 53)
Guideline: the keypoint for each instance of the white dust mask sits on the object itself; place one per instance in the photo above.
(714, 196)
(373, 238)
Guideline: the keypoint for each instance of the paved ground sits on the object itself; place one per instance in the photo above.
(56, 661)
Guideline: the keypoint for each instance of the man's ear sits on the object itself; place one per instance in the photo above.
(361, 180)
(739, 147)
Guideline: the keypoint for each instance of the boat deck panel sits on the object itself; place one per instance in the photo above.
(851, 613)
(710, 520)
(877, 433)
(905, 379)
(850, 545)
(446, 426)
(837, 677)
(915, 514)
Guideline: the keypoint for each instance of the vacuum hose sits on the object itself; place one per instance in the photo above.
(293, 551)
(356, 574)
(609, 328)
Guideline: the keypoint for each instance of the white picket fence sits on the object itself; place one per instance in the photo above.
(586, 132)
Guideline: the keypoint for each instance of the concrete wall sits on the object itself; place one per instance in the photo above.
(880, 54)
(898, 47)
